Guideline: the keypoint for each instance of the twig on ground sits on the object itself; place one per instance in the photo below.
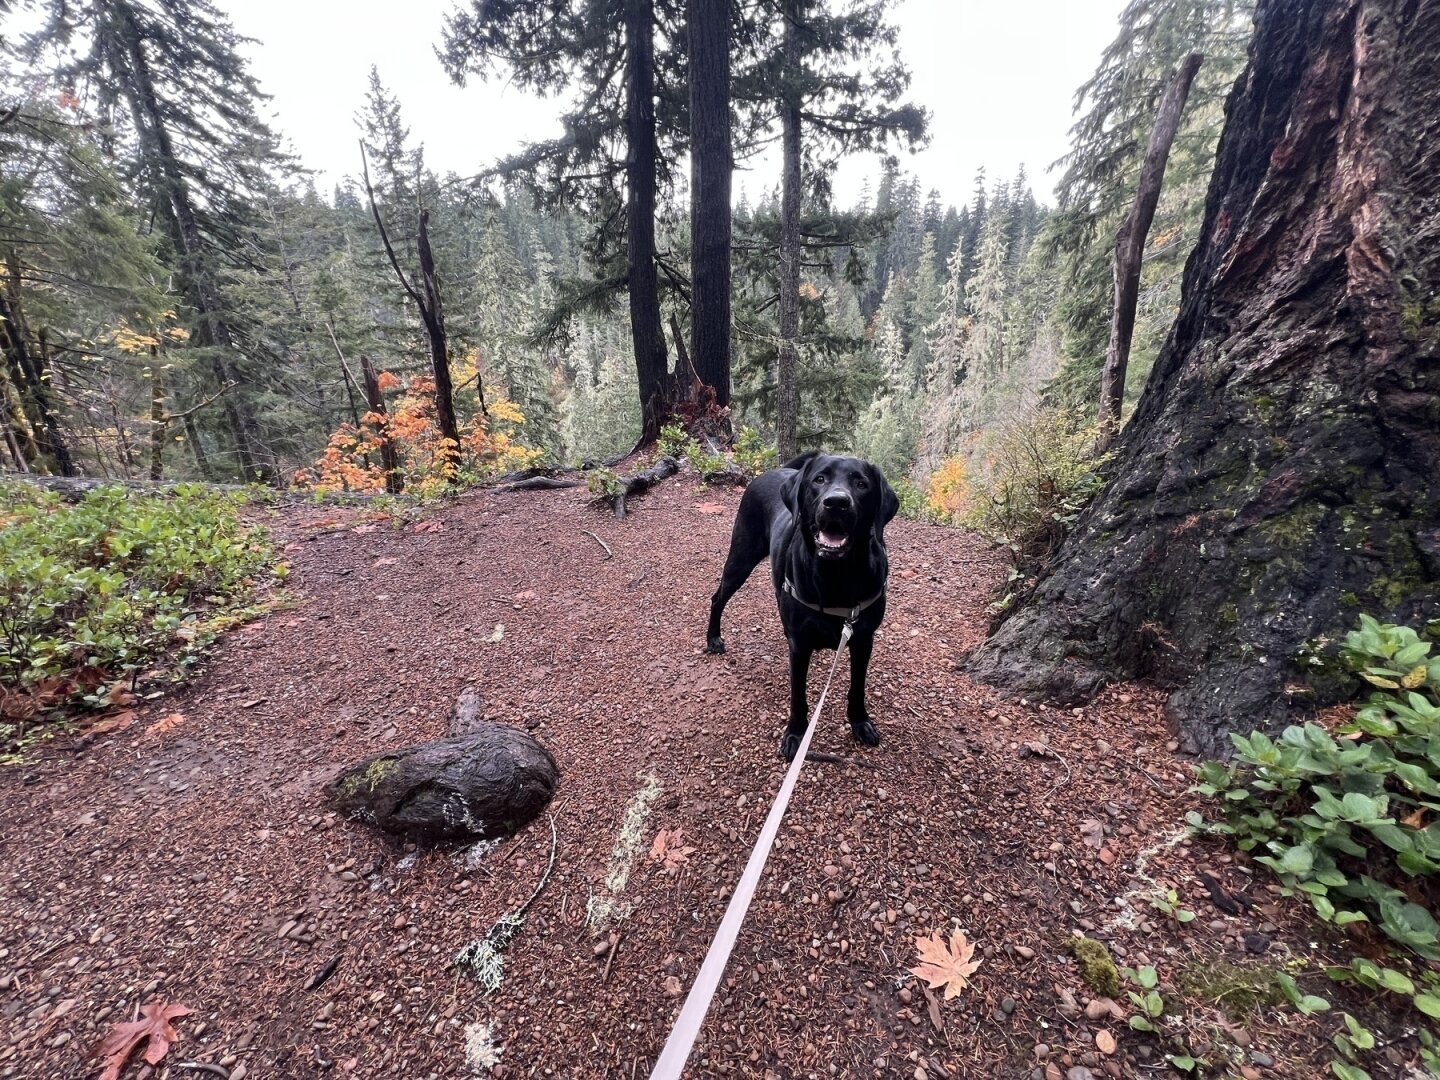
(1165, 793)
(608, 553)
(610, 955)
(205, 1066)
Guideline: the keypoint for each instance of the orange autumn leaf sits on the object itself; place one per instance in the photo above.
(946, 964)
(153, 1028)
(166, 724)
(670, 848)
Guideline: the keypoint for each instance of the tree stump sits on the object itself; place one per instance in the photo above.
(488, 782)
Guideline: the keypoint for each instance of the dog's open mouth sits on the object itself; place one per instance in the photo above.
(831, 542)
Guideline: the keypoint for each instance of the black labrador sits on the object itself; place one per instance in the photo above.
(821, 520)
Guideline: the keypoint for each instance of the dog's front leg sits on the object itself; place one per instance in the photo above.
(799, 706)
(860, 724)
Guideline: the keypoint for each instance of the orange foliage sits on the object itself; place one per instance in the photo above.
(429, 462)
(948, 493)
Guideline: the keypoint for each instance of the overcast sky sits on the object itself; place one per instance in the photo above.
(998, 79)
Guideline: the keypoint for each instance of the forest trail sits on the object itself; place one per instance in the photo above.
(196, 861)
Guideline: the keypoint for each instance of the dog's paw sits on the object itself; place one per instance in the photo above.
(715, 645)
(789, 745)
(865, 731)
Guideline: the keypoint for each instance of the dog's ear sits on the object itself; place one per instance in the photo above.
(790, 489)
(889, 501)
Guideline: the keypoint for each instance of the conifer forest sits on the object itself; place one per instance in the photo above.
(359, 521)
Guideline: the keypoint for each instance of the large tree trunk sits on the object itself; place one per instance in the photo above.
(651, 366)
(787, 357)
(1279, 473)
(179, 216)
(1130, 248)
(710, 167)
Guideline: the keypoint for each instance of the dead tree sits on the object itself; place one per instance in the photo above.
(1130, 248)
(432, 315)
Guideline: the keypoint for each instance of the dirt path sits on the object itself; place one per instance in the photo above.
(169, 864)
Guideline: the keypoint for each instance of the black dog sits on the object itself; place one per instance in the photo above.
(822, 521)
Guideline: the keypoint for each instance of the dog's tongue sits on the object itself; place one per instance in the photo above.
(833, 540)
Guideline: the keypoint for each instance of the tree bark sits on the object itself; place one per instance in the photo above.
(787, 357)
(651, 366)
(159, 421)
(1278, 475)
(710, 171)
(1130, 248)
(197, 449)
(434, 313)
(32, 382)
(389, 459)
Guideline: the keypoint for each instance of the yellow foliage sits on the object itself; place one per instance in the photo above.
(948, 493)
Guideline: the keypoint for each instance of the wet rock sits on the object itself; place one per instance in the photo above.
(489, 782)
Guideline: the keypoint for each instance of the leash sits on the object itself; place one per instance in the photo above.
(697, 1002)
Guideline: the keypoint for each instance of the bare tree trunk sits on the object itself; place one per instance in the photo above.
(389, 459)
(33, 384)
(787, 357)
(434, 314)
(1130, 248)
(710, 170)
(159, 421)
(651, 365)
(197, 448)
(1278, 475)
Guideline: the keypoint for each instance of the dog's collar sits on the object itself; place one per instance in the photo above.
(848, 614)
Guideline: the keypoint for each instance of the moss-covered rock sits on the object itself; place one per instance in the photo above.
(1097, 967)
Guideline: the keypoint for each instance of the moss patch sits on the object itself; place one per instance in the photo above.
(370, 779)
(1236, 990)
(1097, 967)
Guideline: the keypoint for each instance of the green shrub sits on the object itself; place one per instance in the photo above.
(674, 441)
(1034, 476)
(100, 589)
(753, 454)
(1351, 820)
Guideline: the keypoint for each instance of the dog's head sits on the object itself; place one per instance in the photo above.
(839, 503)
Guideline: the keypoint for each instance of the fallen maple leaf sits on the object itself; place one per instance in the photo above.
(710, 508)
(166, 724)
(1094, 833)
(948, 965)
(363, 529)
(670, 848)
(430, 526)
(115, 722)
(153, 1028)
(119, 694)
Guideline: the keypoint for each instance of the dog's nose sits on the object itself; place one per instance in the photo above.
(837, 500)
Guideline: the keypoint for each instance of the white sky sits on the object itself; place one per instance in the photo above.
(998, 79)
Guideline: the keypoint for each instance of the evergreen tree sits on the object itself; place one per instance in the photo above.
(200, 153)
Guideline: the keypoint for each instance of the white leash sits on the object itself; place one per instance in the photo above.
(697, 1002)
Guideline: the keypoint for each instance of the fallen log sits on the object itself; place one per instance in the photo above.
(640, 482)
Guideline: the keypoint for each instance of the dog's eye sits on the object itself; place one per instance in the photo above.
(819, 480)
(861, 483)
